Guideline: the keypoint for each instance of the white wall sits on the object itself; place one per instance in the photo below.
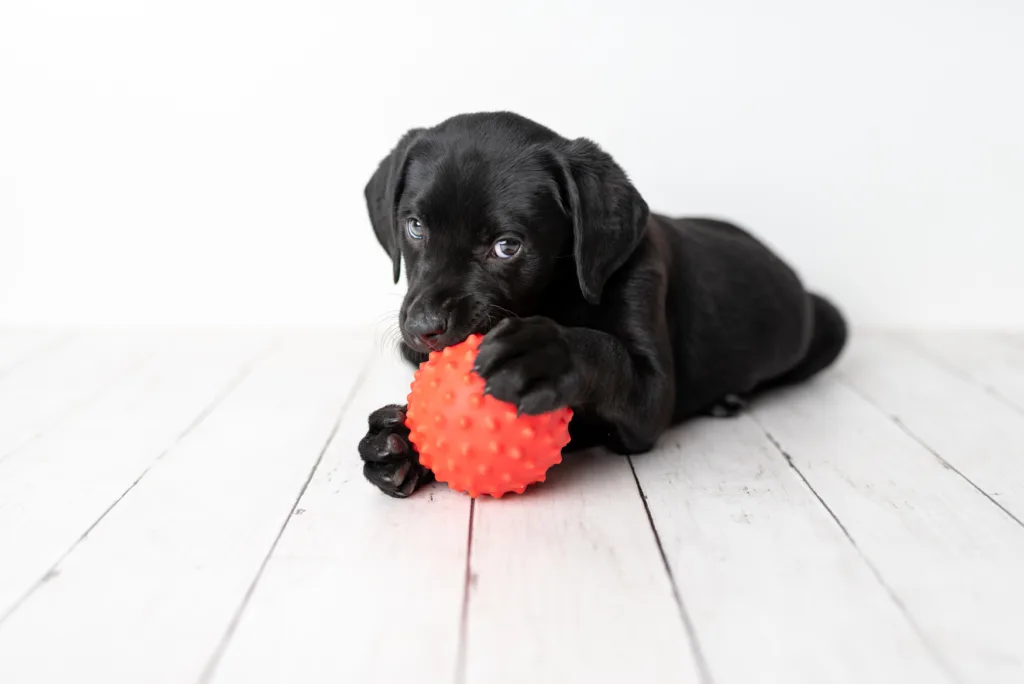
(203, 161)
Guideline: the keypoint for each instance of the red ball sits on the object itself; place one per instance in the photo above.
(472, 441)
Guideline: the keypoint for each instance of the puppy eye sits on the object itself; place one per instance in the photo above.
(414, 228)
(506, 248)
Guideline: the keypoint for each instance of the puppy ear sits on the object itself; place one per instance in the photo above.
(608, 214)
(382, 195)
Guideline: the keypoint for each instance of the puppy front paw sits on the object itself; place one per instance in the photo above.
(390, 461)
(528, 362)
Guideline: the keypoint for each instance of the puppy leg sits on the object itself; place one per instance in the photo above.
(729, 406)
(538, 365)
(528, 362)
(390, 461)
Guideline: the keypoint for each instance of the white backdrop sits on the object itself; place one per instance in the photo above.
(202, 161)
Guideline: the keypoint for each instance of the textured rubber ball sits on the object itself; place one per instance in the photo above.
(472, 441)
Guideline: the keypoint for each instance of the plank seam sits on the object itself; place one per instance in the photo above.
(942, 461)
(53, 571)
(915, 627)
(123, 375)
(959, 373)
(695, 648)
(218, 654)
(463, 650)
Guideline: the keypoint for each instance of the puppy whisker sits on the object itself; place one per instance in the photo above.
(390, 338)
(508, 312)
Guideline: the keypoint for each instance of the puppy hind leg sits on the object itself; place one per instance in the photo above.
(729, 406)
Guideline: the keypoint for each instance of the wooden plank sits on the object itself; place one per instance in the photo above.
(16, 346)
(993, 360)
(55, 488)
(976, 433)
(568, 584)
(952, 558)
(361, 588)
(765, 571)
(46, 388)
(148, 593)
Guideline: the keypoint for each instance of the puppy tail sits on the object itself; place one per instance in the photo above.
(828, 337)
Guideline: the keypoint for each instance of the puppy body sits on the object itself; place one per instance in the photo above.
(636, 320)
(740, 318)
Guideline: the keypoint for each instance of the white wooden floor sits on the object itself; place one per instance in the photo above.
(190, 509)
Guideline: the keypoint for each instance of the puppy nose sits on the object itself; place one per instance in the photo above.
(427, 325)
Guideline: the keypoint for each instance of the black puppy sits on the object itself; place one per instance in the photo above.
(635, 320)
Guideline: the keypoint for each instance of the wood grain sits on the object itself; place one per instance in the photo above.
(969, 428)
(17, 346)
(168, 513)
(361, 587)
(150, 591)
(568, 584)
(993, 360)
(764, 569)
(45, 388)
(58, 486)
(951, 558)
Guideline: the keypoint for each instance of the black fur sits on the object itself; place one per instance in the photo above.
(636, 320)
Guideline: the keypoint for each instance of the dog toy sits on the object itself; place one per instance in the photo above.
(472, 441)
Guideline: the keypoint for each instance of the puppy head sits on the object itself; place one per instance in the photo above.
(487, 211)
